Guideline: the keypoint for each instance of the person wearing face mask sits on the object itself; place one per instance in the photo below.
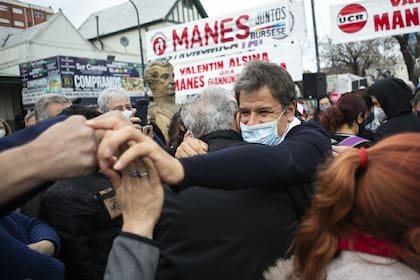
(240, 201)
(391, 98)
(192, 246)
(4, 128)
(323, 103)
(365, 130)
(345, 119)
(266, 97)
(283, 159)
(113, 99)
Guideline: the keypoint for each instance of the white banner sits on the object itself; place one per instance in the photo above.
(192, 78)
(369, 19)
(265, 26)
(202, 53)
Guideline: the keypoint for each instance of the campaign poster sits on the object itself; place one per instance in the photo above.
(369, 19)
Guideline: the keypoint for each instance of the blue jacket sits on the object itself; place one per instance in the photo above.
(294, 161)
(17, 260)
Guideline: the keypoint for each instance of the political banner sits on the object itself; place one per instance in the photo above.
(192, 78)
(369, 19)
(268, 25)
(202, 56)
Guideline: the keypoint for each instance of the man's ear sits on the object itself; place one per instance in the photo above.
(290, 111)
(361, 118)
(237, 121)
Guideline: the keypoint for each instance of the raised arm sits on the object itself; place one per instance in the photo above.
(65, 150)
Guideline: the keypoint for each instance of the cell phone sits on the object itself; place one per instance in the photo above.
(142, 104)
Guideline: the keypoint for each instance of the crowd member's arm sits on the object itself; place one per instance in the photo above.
(18, 261)
(191, 147)
(26, 135)
(41, 237)
(140, 197)
(292, 162)
(65, 150)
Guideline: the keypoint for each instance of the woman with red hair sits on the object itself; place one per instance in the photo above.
(364, 222)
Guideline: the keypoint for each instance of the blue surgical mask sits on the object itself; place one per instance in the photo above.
(265, 133)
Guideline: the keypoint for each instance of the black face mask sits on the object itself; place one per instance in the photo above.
(364, 123)
(370, 118)
(361, 127)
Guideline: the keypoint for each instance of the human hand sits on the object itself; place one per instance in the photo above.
(140, 197)
(66, 150)
(191, 147)
(139, 146)
(43, 247)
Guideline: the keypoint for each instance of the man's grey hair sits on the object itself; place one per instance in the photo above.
(41, 105)
(110, 93)
(214, 109)
(257, 74)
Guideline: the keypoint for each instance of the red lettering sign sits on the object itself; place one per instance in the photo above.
(218, 31)
(397, 20)
(395, 3)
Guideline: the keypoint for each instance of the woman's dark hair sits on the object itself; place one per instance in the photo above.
(345, 111)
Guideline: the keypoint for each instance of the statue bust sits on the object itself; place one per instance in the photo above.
(159, 77)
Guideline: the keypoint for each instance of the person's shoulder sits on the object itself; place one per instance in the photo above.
(356, 265)
(312, 129)
(83, 187)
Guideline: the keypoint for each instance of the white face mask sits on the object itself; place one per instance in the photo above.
(379, 114)
(324, 107)
(2, 132)
(265, 133)
(127, 114)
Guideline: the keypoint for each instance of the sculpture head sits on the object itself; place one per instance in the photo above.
(159, 77)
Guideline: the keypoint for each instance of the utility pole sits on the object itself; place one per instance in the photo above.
(318, 67)
(141, 45)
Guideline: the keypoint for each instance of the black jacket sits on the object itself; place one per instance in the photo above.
(76, 209)
(207, 233)
(394, 97)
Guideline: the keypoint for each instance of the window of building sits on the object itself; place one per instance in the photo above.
(4, 20)
(19, 23)
(187, 4)
(38, 14)
(4, 8)
(17, 11)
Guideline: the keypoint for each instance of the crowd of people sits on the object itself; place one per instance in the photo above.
(231, 186)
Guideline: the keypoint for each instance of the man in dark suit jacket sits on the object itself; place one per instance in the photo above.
(207, 233)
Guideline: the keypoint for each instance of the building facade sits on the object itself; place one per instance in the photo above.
(16, 14)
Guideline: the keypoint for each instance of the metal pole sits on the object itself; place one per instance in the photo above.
(141, 44)
(318, 67)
